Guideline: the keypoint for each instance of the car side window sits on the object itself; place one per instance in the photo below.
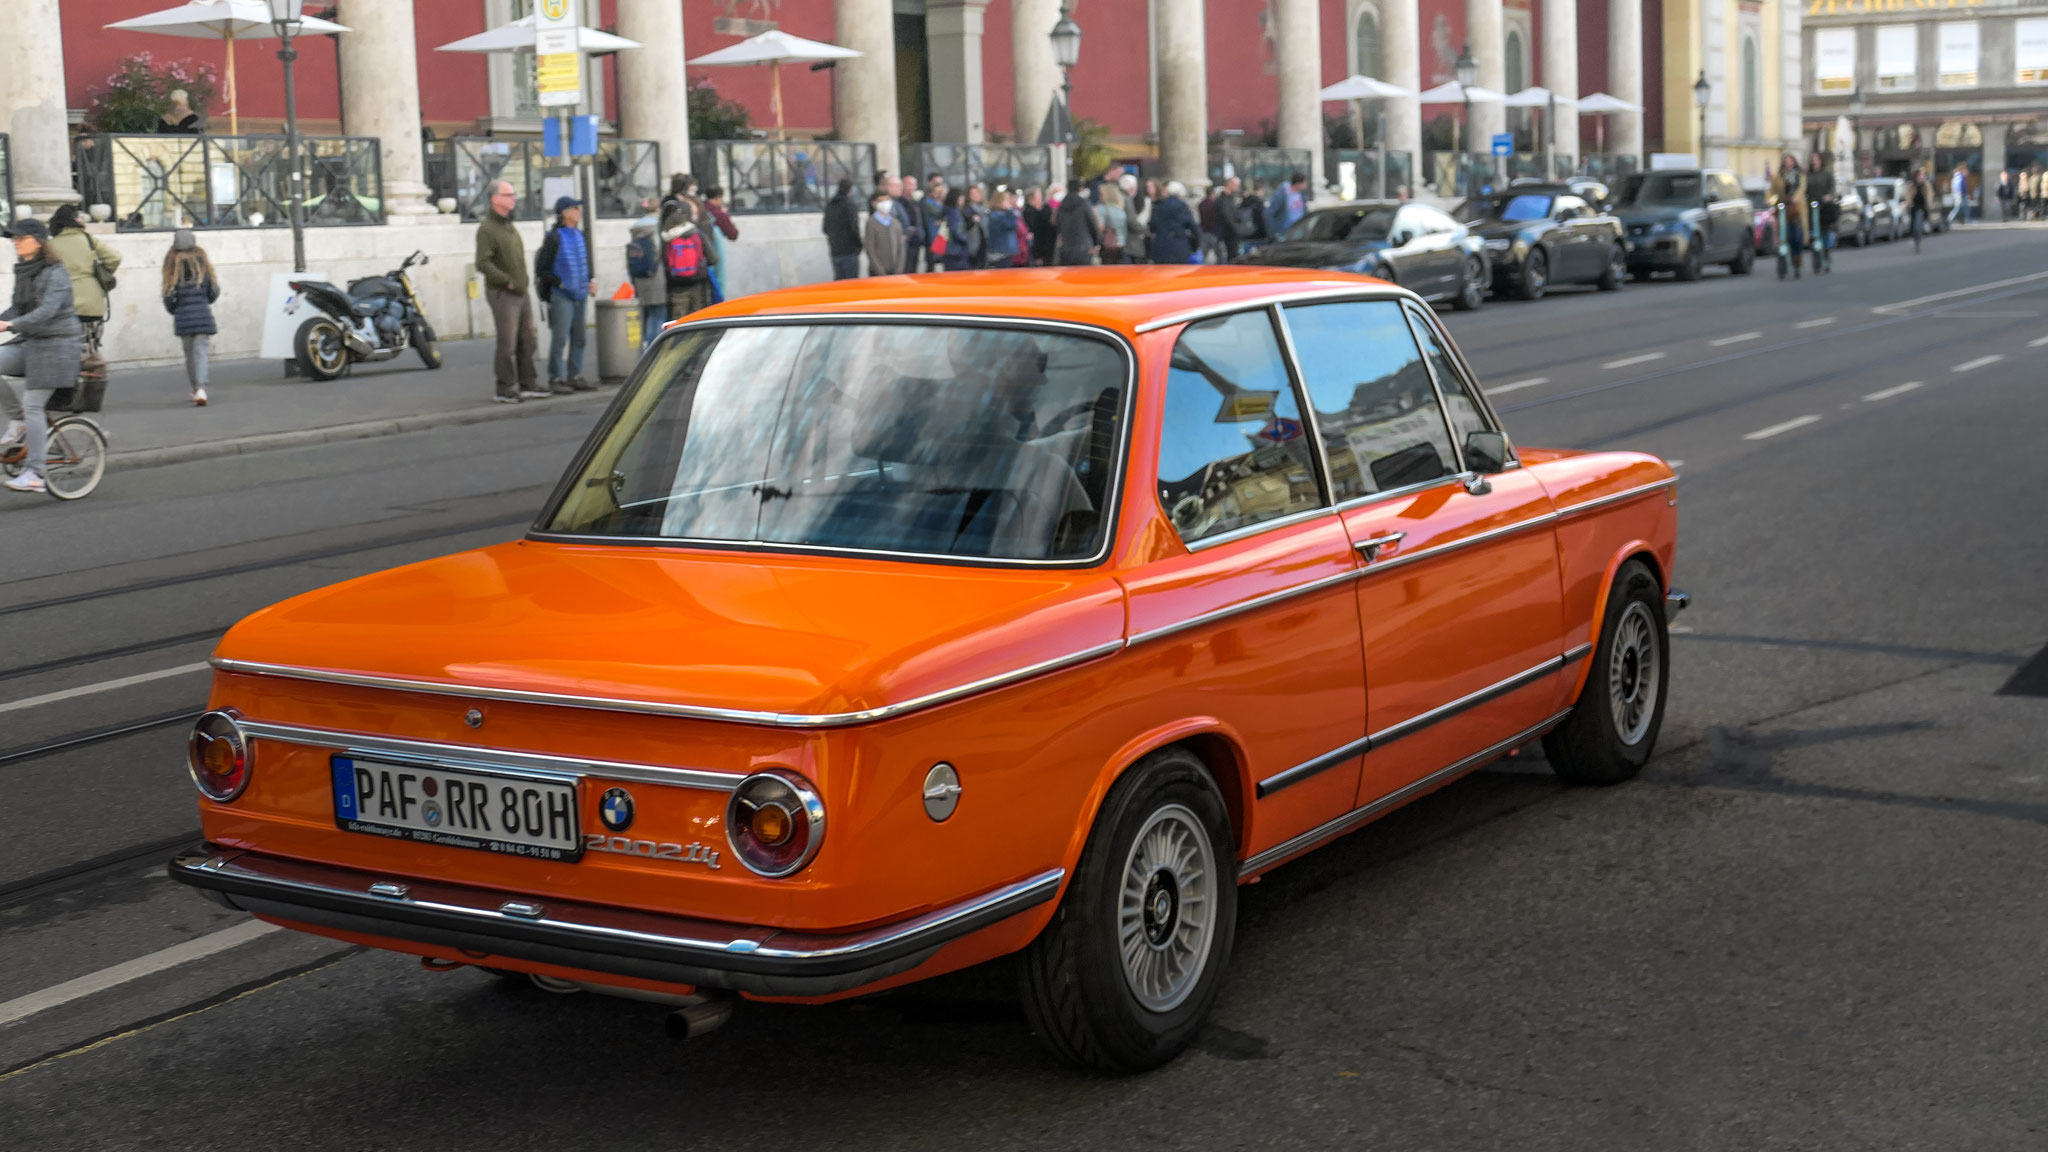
(1725, 187)
(1408, 223)
(1233, 449)
(1434, 221)
(1570, 208)
(1381, 424)
(1459, 404)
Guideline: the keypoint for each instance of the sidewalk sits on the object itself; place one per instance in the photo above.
(150, 419)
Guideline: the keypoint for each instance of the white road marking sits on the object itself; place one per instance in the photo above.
(1736, 339)
(2038, 343)
(1787, 426)
(1675, 464)
(1625, 361)
(1825, 320)
(1894, 390)
(22, 1007)
(1979, 362)
(1681, 629)
(1518, 385)
(104, 686)
(1970, 291)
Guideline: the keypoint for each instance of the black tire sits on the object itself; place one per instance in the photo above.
(425, 343)
(1694, 262)
(1615, 272)
(1594, 745)
(77, 459)
(321, 351)
(1535, 276)
(1384, 271)
(1472, 292)
(1743, 262)
(1073, 979)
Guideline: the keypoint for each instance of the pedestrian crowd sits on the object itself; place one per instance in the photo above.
(2023, 195)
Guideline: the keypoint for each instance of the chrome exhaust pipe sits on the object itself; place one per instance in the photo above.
(692, 1021)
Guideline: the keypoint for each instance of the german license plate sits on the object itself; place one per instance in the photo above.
(491, 812)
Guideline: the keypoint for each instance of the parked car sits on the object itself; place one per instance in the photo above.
(1409, 244)
(1537, 235)
(1853, 221)
(1880, 221)
(879, 631)
(1887, 194)
(1681, 220)
(1764, 224)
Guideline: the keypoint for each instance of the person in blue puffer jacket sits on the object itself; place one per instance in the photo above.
(190, 288)
(563, 274)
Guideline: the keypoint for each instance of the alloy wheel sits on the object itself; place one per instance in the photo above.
(1166, 908)
(1634, 665)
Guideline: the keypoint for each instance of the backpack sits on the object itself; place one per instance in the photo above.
(686, 256)
(643, 257)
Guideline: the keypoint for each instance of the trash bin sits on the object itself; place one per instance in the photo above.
(618, 339)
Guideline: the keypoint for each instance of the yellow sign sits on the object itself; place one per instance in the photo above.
(1846, 7)
(554, 10)
(558, 78)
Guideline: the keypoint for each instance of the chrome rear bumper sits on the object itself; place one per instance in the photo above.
(1676, 601)
(598, 938)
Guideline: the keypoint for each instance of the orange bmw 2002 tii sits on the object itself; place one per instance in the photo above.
(886, 627)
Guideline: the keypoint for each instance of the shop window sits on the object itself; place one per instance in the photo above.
(1898, 53)
(1956, 63)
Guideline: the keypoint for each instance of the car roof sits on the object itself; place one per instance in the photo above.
(1125, 298)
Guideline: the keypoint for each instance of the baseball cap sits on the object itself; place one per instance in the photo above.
(28, 226)
(565, 203)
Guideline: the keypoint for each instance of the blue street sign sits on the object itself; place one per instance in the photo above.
(1503, 144)
(582, 136)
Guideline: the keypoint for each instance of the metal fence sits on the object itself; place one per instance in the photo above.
(1261, 169)
(155, 183)
(628, 177)
(1015, 165)
(1608, 166)
(463, 168)
(6, 180)
(763, 176)
(1365, 171)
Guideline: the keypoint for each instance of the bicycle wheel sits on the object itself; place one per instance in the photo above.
(77, 460)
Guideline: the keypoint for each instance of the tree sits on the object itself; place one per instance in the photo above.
(712, 118)
(134, 97)
(1092, 153)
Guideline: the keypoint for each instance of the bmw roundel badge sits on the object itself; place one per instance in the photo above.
(615, 808)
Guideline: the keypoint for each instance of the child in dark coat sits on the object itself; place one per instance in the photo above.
(190, 288)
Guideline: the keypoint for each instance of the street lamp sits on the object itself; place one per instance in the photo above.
(1701, 90)
(287, 16)
(1066, 52)
(1467, 70)
(1856, 131)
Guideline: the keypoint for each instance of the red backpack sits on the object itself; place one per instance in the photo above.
(686, 256)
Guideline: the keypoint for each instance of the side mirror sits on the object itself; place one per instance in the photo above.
(1486, 451)
(1399, 239)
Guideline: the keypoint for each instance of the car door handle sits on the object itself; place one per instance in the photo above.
(1369, 548)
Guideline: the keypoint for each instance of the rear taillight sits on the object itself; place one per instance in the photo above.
(775, 823)
(218, 755)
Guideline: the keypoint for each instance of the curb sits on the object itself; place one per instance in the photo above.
(336, 433)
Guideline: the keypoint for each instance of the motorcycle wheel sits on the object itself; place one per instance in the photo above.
(425, 344)
(321, 350)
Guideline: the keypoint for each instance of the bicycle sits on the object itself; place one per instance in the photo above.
(77, 457)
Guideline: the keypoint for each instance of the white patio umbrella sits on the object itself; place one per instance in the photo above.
(1535, 98)
(518, 36)
(1600, 103)
(776, 49)
(1452, 92)
(1356, 90)
(223, 20)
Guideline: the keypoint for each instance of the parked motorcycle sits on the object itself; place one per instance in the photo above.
(376, 319)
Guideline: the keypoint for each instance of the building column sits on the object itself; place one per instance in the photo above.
(1993, 162)
(38, 133)
(1625, 75)
(1485, 30)
(952, 36)
(1035, 76)
(1791, 73)
(1179, 32)
(380, 97)
(1401, 54)
(1716, 60)
(1561, 70)
(654, 95)
(1298, 44)
(864, 89)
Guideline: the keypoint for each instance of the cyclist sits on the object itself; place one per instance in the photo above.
(47, 348)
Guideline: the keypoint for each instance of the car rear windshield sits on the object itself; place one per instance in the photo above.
(1663, 189)
(1514, 209)
(1343, 224)
(926, 439)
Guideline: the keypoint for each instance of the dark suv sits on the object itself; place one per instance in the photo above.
(1683, 219)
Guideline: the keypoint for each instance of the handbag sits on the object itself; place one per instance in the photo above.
(101, 274)
(939, 244)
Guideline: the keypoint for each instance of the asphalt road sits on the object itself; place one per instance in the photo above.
(1814, 922)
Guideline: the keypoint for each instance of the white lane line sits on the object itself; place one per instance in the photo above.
(1970, 291)
(2038, 343)
(1675, 465)
(104, 686)
(1894, 390)
(1518, 385)
(1735, 339)
(1979, 362)
(1822, 322)
(1787, 426)
(22, 1007)
(1626, 361)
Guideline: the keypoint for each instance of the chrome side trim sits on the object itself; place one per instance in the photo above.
(1250, 530)
(1308, 768)
(1360, 815)
(1466, 703)
(652, 708)
(1577, 652)
(1599, 502)
(1242, 606)
(1359, 292)
(458, 756)
(1388, 565)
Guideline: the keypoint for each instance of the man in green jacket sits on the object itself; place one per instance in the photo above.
(501, 258)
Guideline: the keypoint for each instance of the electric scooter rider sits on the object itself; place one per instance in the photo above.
(1788, 195)
(1820, 188)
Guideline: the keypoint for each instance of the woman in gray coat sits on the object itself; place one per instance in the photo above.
(46, 346)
